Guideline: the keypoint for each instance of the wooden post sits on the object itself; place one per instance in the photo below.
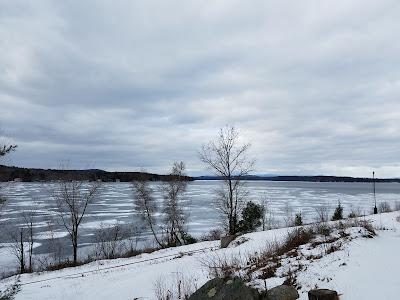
(323, 294)
(373, 181)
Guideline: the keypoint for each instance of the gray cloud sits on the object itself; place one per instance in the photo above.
(314, 86)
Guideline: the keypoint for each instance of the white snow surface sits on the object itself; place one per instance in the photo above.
(363, 269)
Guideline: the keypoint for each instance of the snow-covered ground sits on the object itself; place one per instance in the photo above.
(115, 204)
(364, 268)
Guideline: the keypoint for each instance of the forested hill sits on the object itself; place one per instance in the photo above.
(29, 175)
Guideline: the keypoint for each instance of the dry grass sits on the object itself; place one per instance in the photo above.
(326, 238)
(10, 292)
(384, 207)
(68, 264)
(179, 288)
(222, 266)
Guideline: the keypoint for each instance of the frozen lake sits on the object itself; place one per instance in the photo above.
(115, 203)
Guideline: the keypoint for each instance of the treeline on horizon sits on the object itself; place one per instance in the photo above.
(10, 173)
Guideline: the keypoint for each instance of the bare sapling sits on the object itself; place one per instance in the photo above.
(72, 199)
(288, 215)
(228, 158)
(175, 217)
(384, 207)
(110, 241)
(18, 248)
(22, 238)
(322, 214)
(146, 206)
(265, 210)
(29, 219)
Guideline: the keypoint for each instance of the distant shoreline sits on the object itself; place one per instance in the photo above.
(320, 178)
(11, 173)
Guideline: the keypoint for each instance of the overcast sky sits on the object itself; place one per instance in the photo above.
(314, 86)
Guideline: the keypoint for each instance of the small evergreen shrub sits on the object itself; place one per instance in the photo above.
(298, 220)
(251, 217)
(338, 214)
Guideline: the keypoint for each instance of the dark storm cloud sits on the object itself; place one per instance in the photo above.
(314, 86)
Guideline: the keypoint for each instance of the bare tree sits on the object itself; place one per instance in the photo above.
(72, 199)
(288, 217)
(228, 158)
(18, 247)
(146, 206)
(110, 241)
(54, 247)
(322, 212)
(174, 215)
(267, 220)
(23, 241)
(29, 218)
(4, 150)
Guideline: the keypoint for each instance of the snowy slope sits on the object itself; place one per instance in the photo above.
(364, 269)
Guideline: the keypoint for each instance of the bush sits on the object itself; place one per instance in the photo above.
(10, 292)
(212, 235)
(296, 238)
(109, 241)
(188, 239)
(338, 214)
(384, 207)
(222, 266)
(251, 217)
(298, 220)
(355, 212)
(178, 287)
(322, 214)
(352, 215)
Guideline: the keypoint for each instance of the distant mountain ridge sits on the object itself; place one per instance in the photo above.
(318, 178)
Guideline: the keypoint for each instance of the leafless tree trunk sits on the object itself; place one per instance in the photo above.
(174, 215)
(23, 241)
(146, 206)
(18, 247)
(228, 158)
(72, 199)
(29, 217)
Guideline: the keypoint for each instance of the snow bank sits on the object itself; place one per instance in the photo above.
(363, 269)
